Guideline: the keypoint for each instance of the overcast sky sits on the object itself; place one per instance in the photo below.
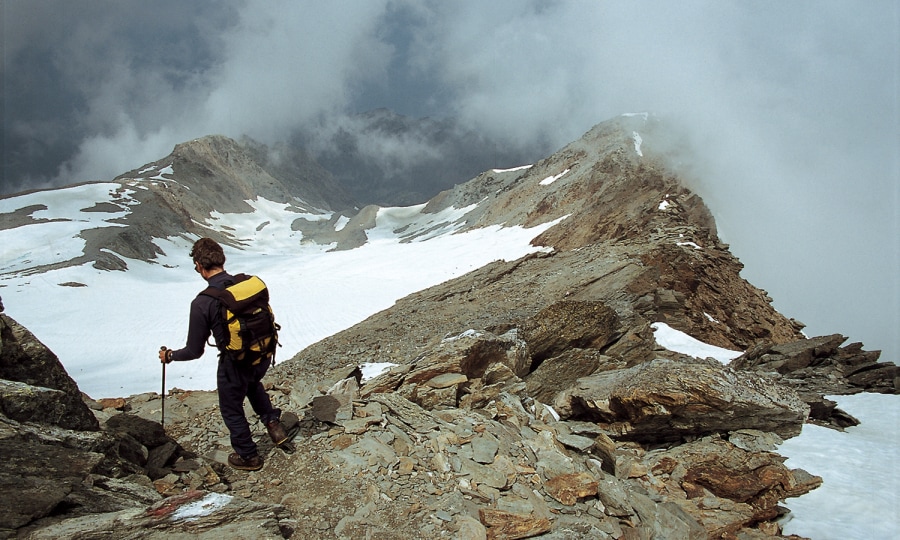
(792, 105)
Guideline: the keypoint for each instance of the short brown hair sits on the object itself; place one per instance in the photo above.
(208, 253)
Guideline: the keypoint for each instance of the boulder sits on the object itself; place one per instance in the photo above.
(149, 433)
(26, 360)
(556, 374)
(41, 477)
(26, 403)
(57, 473)
(668, 400)
(337, 402)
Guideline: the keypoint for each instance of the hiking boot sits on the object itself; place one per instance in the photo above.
(277, 432)
(254, 463)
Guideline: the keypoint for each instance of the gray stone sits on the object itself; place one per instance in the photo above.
(149, 433)
(483, 474)
(484, 448)
(26, 403)
(446, 380)
(551, 459)
(470, 529)
(754, 440)
(582, 444)
(407, 412)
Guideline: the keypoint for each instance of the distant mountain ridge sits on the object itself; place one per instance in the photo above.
(175, 196)
(610, 186)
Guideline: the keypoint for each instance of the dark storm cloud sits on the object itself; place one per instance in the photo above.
(75, 73)
(790, 106)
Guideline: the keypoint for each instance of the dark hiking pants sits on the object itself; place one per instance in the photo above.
(235, 382)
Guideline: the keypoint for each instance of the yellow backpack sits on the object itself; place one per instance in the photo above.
(248, 317)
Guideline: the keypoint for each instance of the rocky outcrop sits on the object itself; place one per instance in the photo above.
(568, 325)
(45, 393)
(743, 484)
(818, 367)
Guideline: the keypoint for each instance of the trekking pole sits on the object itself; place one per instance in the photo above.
(162, 420)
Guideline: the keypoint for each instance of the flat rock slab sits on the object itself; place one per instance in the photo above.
(665, 400)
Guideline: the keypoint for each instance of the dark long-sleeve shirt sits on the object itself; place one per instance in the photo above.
(203, 321)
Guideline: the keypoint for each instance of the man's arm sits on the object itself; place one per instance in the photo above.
(198, 329)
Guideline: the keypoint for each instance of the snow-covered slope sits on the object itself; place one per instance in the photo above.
(106, 326)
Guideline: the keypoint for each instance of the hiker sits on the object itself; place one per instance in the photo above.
(235, 380)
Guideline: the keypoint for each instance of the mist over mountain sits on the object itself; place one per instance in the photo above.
(388, 159)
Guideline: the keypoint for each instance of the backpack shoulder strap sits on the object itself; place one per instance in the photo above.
(222, 293)
(214, 292)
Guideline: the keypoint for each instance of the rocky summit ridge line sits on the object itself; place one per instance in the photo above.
(526, 399)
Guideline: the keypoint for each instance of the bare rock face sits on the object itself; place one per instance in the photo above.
(194, 514)
(569, 324)
(668, 400)
(559, 373)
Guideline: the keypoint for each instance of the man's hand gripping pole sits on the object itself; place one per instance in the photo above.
(164, 358)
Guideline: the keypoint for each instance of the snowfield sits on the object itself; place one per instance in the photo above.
(106, 327)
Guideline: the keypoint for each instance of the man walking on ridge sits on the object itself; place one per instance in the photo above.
(235, 380)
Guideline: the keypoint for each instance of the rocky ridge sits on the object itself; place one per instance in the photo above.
(525, 399)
